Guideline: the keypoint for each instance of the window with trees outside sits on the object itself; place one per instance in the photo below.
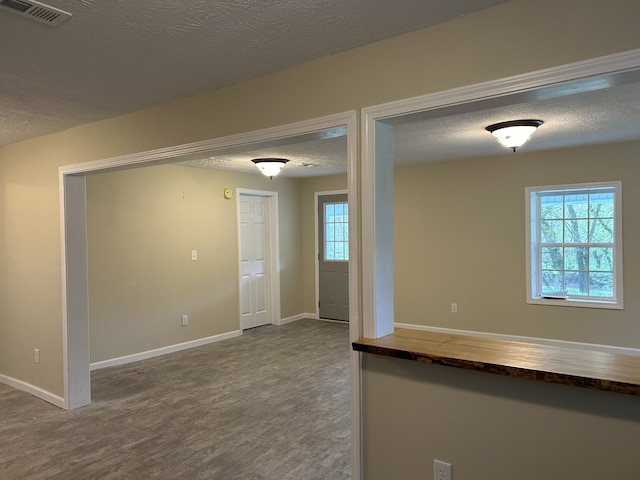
(574, 246)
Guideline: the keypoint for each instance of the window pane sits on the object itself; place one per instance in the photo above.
(577, 283)
(552, 281)
(552, 258)
(576, 231)
(330, 253)
(329, 215)
(338, 212)
(551, 231)
(336, 231)
(551, 207)
(601, 259)
(576, 258)
(601, 205)
(601, 284)
(330, 232)
(602, 230)
(576, 206)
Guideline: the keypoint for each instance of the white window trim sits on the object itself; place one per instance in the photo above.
(617, 302)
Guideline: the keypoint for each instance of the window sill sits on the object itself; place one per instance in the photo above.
(573, 302)
(596, 370)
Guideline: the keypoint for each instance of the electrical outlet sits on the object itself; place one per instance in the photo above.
(194, 254)
(441, 470)
(454, 308)
(185, 320)
(36, 355)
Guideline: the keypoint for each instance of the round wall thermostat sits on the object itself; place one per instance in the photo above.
(228, 194)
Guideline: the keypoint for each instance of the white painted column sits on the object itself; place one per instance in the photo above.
(377, 228)
(76, 293)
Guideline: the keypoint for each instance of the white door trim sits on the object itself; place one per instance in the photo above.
(317, 245)
(75, 351)
(273, 253)
(376, 321)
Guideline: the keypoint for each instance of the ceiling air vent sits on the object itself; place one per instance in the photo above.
(35, 11)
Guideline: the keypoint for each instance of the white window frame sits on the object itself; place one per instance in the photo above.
(533, 296)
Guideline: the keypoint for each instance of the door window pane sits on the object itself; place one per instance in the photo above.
(336, 227)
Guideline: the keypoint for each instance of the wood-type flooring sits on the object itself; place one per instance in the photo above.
(270, 404)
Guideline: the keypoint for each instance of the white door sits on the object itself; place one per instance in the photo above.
(255, 285)
(333, 257)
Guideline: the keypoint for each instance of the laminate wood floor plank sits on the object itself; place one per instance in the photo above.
(271, 404)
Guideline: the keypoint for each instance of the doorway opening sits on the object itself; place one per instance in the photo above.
(457, 119)
(73, 206)
(76, 358)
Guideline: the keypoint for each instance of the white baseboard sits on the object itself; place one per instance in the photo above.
(517, 338)
(112, 362)
(295, 318)
(33, 390)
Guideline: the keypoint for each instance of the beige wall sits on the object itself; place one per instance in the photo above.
(492, 427)
(528, 36)
(460, 238)
(309, 187)
(30, 282)
(142, 226)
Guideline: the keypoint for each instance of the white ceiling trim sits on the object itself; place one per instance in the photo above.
(615, 63)
(206, 147)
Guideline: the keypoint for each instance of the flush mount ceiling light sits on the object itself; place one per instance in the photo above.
(270, 166)
(514, 133)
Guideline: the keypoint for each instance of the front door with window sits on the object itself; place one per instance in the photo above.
(333, 256)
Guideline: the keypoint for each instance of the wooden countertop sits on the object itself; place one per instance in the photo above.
(565, 365)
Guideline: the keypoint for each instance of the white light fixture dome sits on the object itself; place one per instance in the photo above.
(514, 133)
(270, 166)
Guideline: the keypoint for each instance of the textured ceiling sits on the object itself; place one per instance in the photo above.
(599, 110)
(118, 56)
(311, 155)
(605, 115)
